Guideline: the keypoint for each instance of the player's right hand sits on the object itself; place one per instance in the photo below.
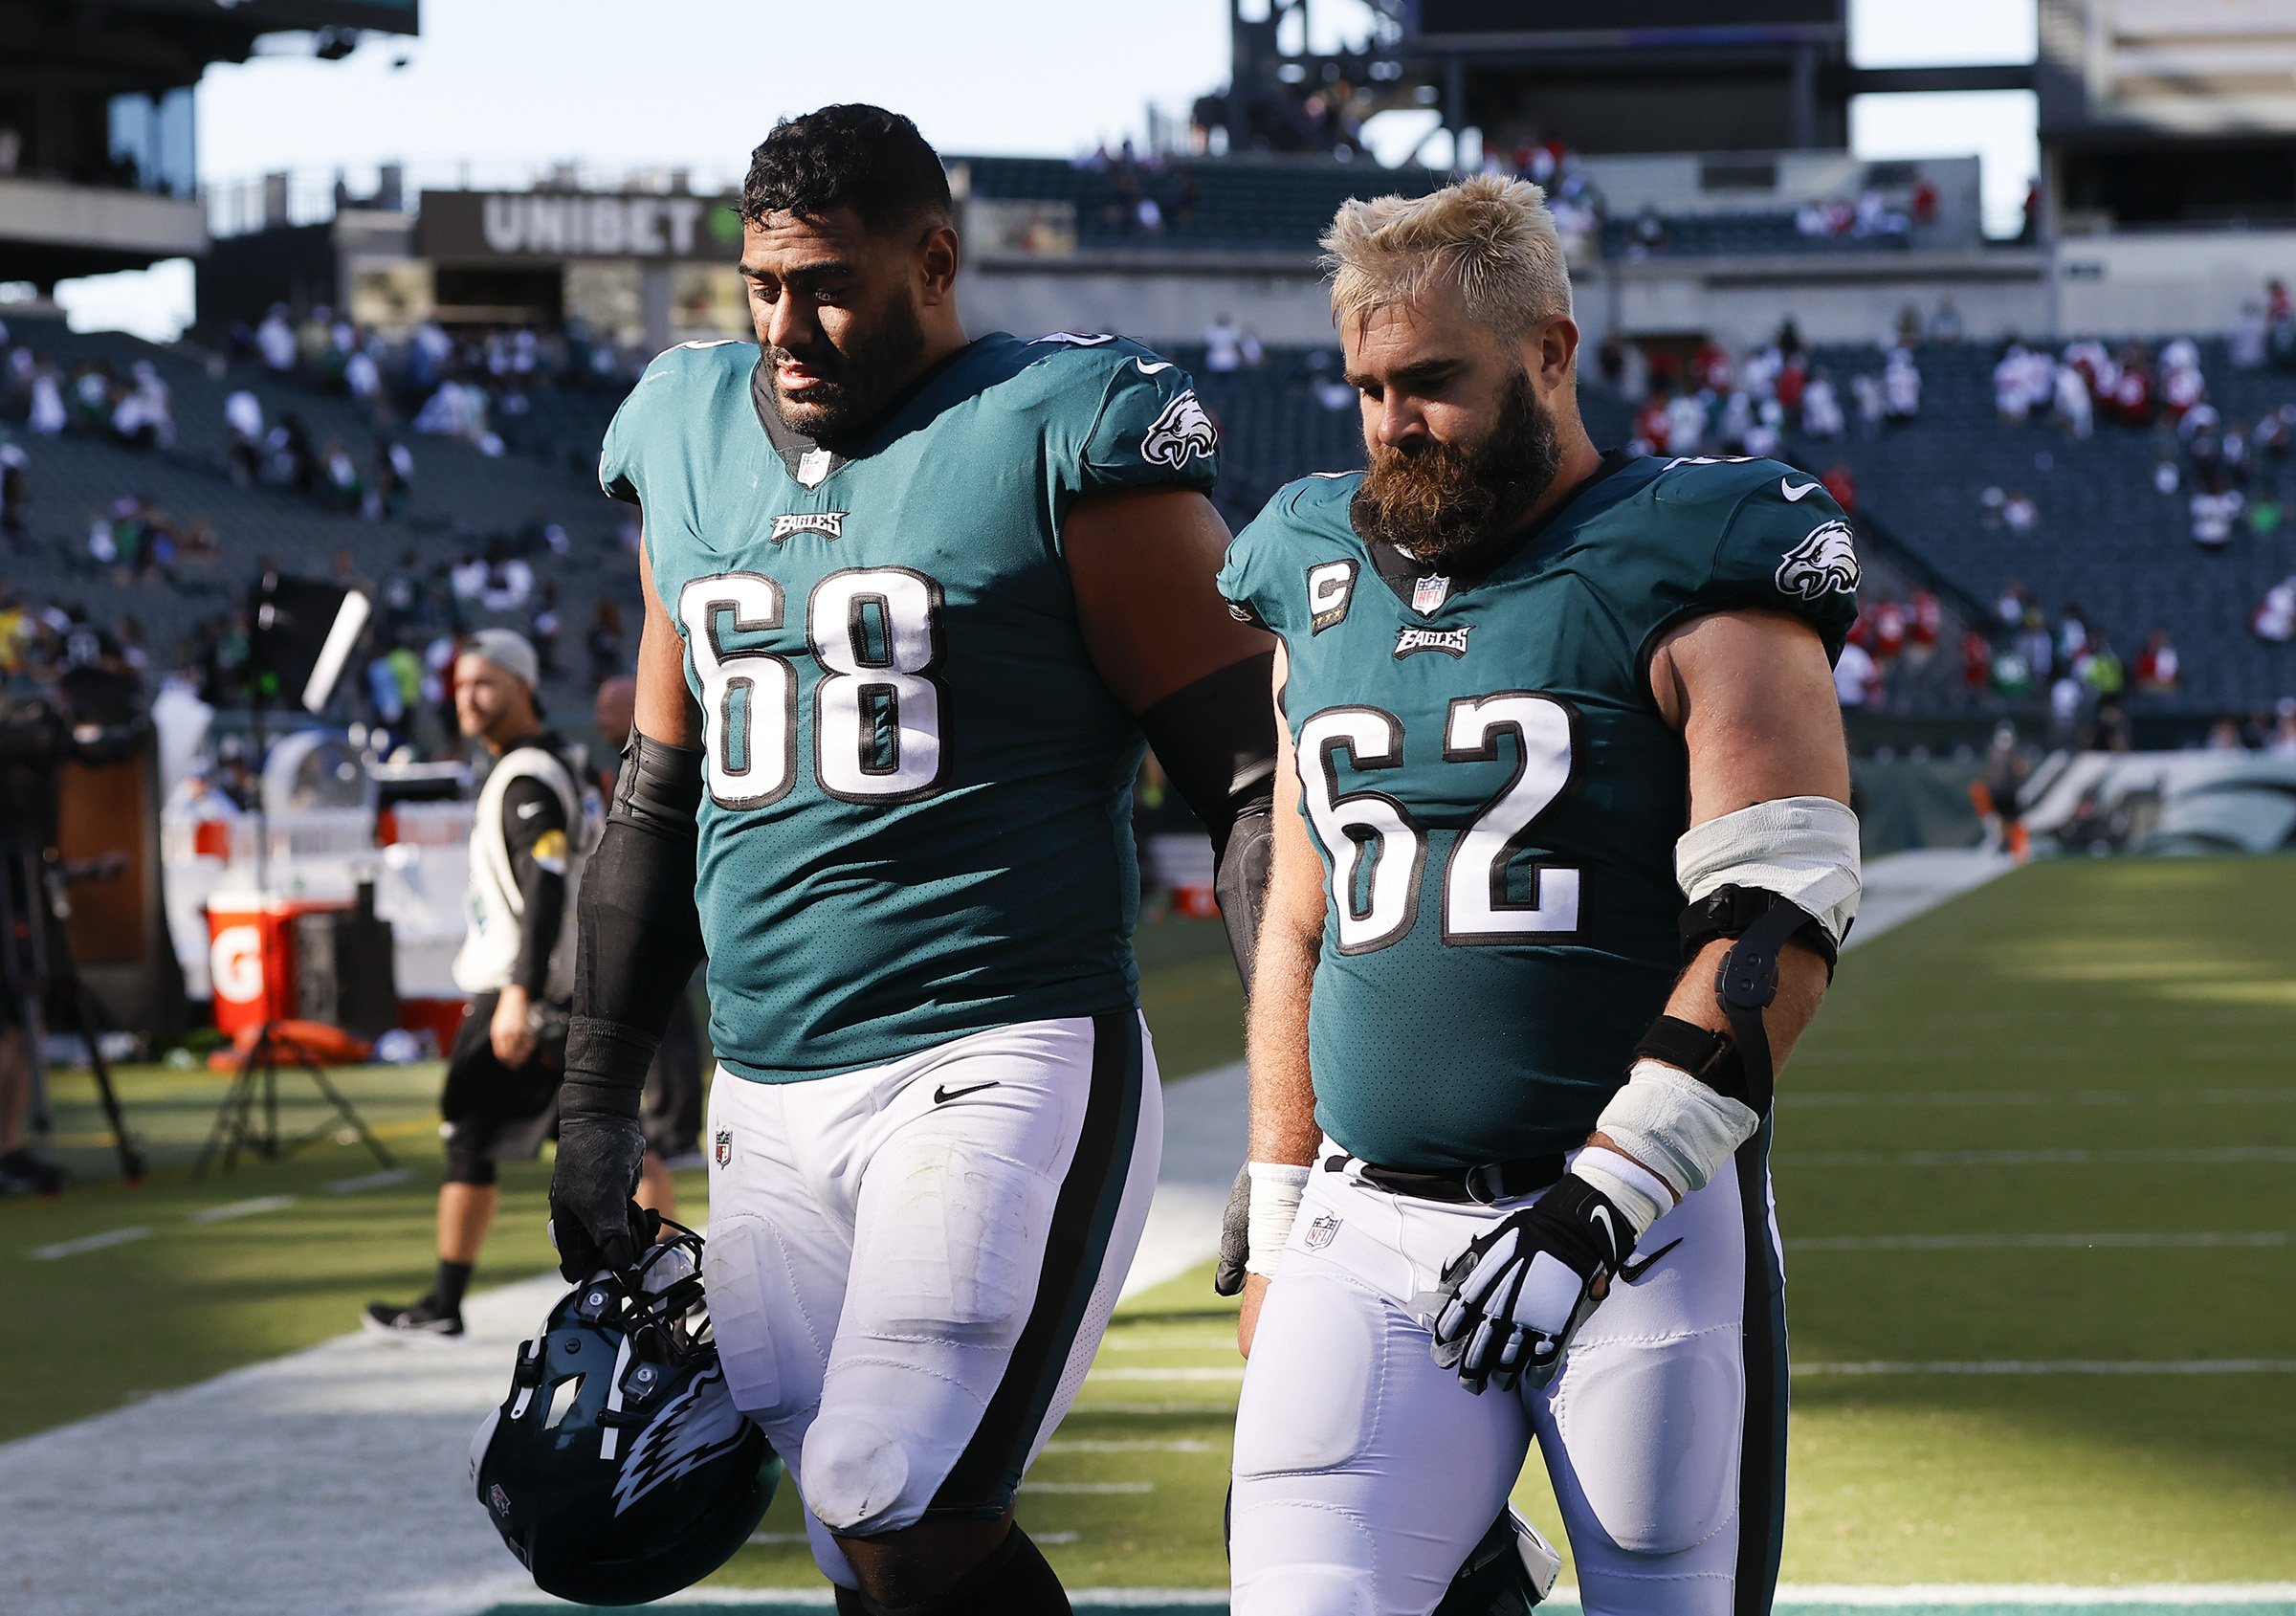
(1235, 1236)
(1519, 1292)
(593, 1221)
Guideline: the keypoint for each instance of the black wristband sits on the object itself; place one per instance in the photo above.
(1711, 1057)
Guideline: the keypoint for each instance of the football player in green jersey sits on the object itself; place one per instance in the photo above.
(912, 600)
(1509, 1094)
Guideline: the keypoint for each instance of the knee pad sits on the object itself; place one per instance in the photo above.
(1652, 1430)
(855, 1471)
(469, 1156)
(1304, 1590)
(1297, 1559)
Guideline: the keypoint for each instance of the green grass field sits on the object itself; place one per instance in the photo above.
(2082, 1049)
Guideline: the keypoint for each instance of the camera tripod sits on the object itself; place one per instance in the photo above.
(257, 1085)
(37, 971)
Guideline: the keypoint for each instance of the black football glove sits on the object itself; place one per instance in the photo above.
(1235, 1236)
(593, 1221)
(1518, 1292)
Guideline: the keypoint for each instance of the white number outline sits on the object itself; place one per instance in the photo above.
(717, 673)
(1475, 879)
(1336, 819)
(831, 651)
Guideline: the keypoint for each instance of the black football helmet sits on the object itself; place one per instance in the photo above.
(618, 1469)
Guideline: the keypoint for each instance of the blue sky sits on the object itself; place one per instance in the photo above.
(700, 81)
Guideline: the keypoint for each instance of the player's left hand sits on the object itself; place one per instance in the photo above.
(1518, 1295)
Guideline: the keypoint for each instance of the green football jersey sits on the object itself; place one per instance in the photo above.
(917, 820)
(1493, 794)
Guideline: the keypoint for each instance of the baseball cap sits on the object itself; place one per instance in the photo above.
(507, 650)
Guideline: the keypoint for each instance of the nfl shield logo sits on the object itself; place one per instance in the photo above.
(1429, 593)
(723, 1152)
(500, 1499)
(1321, 1231)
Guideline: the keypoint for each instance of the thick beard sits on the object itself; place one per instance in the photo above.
(1448, 506)
(856, 381)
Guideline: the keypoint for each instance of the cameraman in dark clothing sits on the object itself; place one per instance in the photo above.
(527, 837)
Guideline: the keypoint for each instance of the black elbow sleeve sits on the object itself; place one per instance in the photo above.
(640, 934)
(1216, 739)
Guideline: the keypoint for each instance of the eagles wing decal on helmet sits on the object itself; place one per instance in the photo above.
(699, 1424)
(1181, 432)
(1823, 564)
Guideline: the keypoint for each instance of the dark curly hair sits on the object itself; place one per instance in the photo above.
(853, 155)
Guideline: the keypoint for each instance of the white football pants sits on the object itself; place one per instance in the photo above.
(1365, 1473)
(909, 1268)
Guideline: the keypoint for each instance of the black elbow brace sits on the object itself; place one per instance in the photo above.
(640, 935)
(1216, 739)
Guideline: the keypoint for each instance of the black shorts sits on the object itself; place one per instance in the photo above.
(672, 1114)
(495, 1113)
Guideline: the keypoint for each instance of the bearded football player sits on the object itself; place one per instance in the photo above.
(912, 600)
(1562, 858)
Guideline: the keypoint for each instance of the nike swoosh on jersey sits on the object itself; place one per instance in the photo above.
(942, 1096)
(1793, 494)
(527, 810)
(1148, 369)
(1632, 1272)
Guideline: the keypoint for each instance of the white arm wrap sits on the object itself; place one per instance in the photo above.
(1675, 1125)
(1276, 1188)
(1800, 848)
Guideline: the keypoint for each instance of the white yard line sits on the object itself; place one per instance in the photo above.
(2028, 1241)
(1898, 886)
(2163, 1156)
(89, 1243)
(231, 1211)
(2063, 1367)
(370, 1180)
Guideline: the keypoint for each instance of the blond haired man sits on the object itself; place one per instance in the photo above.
(1509, 1094)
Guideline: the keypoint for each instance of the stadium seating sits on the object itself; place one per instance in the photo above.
(1236, 205)
(2106, 536)
(461, 501)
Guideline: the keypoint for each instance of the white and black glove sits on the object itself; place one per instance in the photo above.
(1518, 1295)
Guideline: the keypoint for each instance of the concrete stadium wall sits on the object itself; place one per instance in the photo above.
(1160, 306)
(2146, 285)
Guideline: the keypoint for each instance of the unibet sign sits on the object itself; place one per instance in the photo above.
(477, 226)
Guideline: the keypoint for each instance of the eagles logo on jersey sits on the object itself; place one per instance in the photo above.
(1825, 563)
(1180, 433)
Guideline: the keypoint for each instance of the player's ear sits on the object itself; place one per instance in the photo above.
(937, 260)
(1549, 351)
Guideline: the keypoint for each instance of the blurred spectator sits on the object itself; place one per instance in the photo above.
(15, 489)
(2216, 510)
(2248, 338)
(1686, 424)
(243, 418)
(2274, 619)
(2075, 411)
(1901, 387)
(1222, 345)
(275, 340)
(1840, 484)
(2018, 513)
(2224, 735)
(1820, 409)
(544, 629)
(1866, 388)
(1857, 679)
(2157, 668)
(46, 416)
(604, 642)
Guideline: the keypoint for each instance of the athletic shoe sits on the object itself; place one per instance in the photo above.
(421, 1321)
